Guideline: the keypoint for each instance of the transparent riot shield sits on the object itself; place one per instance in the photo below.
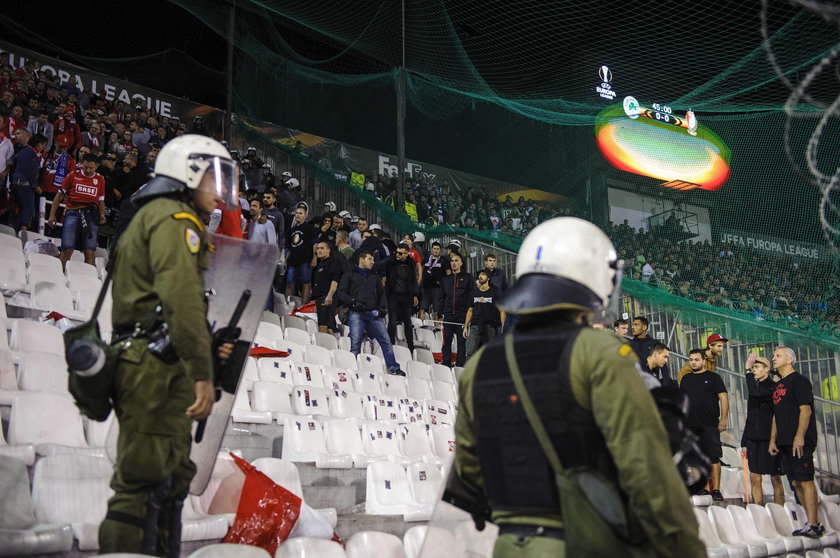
(235, 266)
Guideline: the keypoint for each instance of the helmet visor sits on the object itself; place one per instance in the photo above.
(221, 178)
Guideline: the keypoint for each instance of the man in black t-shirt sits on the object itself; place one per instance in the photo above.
(325, 280)
(301, 257)
(656, 364)
(793, 435)
(707, 412)
(755, 441)
(484, 319)
(435, 268)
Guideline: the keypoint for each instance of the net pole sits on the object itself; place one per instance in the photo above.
(399, 199)
(229, 73)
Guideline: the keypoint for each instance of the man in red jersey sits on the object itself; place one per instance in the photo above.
(84, 191)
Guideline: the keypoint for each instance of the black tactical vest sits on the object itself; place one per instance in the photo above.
(517, 476)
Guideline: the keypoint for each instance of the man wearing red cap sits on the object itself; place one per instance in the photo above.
(713, 351)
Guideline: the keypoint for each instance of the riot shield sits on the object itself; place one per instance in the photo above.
(235, 266)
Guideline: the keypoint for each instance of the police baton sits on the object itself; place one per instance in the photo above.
(225, 376)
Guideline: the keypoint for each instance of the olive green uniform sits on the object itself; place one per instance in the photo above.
(604, 381)
(161, 261)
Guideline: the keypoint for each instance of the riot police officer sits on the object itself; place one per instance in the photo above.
(584, 386)
(158, 287)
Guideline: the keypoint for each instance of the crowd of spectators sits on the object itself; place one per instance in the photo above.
(769, 287)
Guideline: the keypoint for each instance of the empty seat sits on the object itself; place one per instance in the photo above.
(35, 336)
(479, 543)
(344, 343)
(242, 411)
(303, 547)
(367, 381)
(281, 472)
(387, 491)
(250, 374)
(382, 407)
(223, 467)
(394, 386)
(419, 389)
(338, 378)
(381, 442)
(370, 363)
(765, 527)
(367, 544)
(345, 359)
(784, 525)
(267, 342)
(51, 296)
(83, 282)
(346, 404)
(269, 330)
(81, 268)
(729, 533)
(303, 440)
(318, 355)
(343, 439)
(229, 550)
(307, 374)
(23, 452)
(415, 442)
(799, 519)
(73, 488)
(274, 398)
(437, 412)
(49, 421)
(45, 260)
(43, 372)
(279, 370)
(715, 548)
(8, 375)
(10, 240)
(12, 276)
(37, 273)
(442, 373)
(403, 355)
(325, 340)
(443, 441)
(412, 409)
(299, 336)
(199, 526)
(457, 370)
(830, 515)
(20, 531)
(746, 528)
(96, 432)
(425, 482)
(419, 370)
(293, 322)
(424, 356)
(445, 391)
(310, 400)
(428, 540)
(296, 352)
(11, 254)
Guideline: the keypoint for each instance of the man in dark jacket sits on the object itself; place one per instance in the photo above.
(24, 179)
(401, 286)
(362, 292)
(456, 291)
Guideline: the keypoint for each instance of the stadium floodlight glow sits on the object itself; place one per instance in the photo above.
(656, 143)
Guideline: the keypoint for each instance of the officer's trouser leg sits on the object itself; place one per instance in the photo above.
(514, 546)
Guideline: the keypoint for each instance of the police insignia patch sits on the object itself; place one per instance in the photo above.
(193, 241)
(625, 350)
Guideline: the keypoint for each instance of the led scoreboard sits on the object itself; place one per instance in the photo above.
(657, 142)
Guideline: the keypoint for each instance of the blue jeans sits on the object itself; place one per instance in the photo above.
(375, 327)
(26, 204)
(73, 236)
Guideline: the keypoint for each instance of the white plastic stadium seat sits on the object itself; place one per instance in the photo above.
(269, 330)
(242, 412)
(281, 472)
(299, 336)
(346, 404)
(229, 550)
(199, 526)
(403, 355)
(729, 534)
(383, 408)
(715, 548)
(366, 544)
(338, 378)
(10, 241)
(73, 488)
(22, 452)
(414, 441)
(20, 531)
(278, 370)
(345, 360)
(443, 441)
(367, 382)
(303, 440)
(296, 352)
(310, 400)
(441, 373)
(303, 547)
(343, 438)
(11, 254)
(12, 276)
(308, 374)
(274, 398)
(35, 336)
(81, 268)
(424, 355)
(437, 412)
(318, 355)
(394, 386)
(49, 296)
(419, 389)
(293, 322)
(325, 340)
(371, 363)
(797, 516)
(479, 543)
(785, 527)
(746, 527)
(250, 374)
(49, 421)
(387, 491)
(445, 391)
(412, 408)
(43, 372)
(830, 515)
(37, 273)
(425, 482)
(381, 442)
(419, 370)
(765, 528)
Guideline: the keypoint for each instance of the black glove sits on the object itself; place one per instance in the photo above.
(358, 306)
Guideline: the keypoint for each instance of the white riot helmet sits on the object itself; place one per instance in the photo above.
(564, 262)
(182, 165)
(419, 237)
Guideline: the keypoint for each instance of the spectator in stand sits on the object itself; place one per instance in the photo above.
(641, 342)
(755, 442)
(16, 119)
(41, 125)
(84, 191)
(497, 276)
(260, 227)
(793, 435)
(139, 134)
(325, 280)
(56, 167)
(401, 288)
(24, 179)
(362, 292)
(356, 235)
(715, 344)
(93, 137)
(342, 223)
(276, 216)
(65, 124)
(128, 178)
(707, 413)
(342, 242)
(456, 289)
(301, 258)
(325, 230)
(434, 269)
(656, 364)
(227, 221)
(621, 327)
(484, 320)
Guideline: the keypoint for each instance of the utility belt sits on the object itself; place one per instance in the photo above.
(523, 531)
(85, 213)
(156, 331)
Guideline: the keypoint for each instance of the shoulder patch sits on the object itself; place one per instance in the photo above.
(193, 241)
(625, 350)
(189, 217)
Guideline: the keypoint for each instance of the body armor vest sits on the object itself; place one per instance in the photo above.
(517, 475)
